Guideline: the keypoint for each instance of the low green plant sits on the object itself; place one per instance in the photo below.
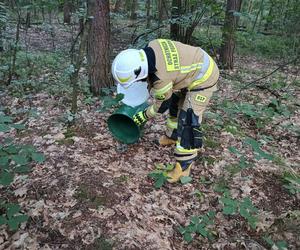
(159, 175)
(281, 245)
(200, 225)
(11, 215)
(291, 182)
(245, 208)
(14, 159)
(108, 101)
(199, 195)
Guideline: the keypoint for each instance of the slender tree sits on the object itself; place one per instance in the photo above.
(148, 7)
(98, 45)
(118, 5)
(175, 14)
(134, 6)
(228, 44)
(67, 11)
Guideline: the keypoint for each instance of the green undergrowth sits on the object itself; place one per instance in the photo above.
(267, 46)
(15, 160)
(40, 71)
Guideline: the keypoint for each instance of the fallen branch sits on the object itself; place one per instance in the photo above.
(266, 76)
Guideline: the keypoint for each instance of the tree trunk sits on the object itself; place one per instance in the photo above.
(160, 15)
(230, 24)
(148, 7)
(12, 71)
(257, 15)
(76, 60)
(1, 39)
(98, 45)
(133, 9)
(118, 5)
(128, 5)
(67, 11)
(270, 17)
(28, 20)
(175, 13)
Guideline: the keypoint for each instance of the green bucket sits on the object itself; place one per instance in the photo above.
(122, 126)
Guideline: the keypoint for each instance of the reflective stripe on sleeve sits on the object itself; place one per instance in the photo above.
(188, 69)
(207, 69)
(163, 90)
(172, 124)
(152, 110)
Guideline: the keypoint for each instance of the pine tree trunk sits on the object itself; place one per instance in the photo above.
(98, 45)
(228, 44)
(67, 11)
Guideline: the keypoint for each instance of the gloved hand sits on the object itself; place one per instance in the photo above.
(140, 118)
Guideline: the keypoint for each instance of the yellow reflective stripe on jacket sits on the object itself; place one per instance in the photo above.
(160, 92)
(172, 124)
(188, 69)
(205, 76)
(170, 53)
(152, 110)
(185, 151)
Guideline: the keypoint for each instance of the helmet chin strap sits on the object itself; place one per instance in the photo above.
(126, 86)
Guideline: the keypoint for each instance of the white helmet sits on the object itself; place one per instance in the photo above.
(130, 66)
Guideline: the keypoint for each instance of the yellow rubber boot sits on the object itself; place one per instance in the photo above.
(175, 174)
(166, 141)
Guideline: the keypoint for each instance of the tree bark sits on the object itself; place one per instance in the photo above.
(148, 7)
(258, 13)
(12, 71)
(133, 9)
(1, 39)
(175, 13)
(28, 20)
(98, 45)
(76, 60)
(118, 5)
(67, 11)
(230, 24)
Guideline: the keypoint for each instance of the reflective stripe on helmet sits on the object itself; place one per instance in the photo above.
(170, 53)
(123, 80)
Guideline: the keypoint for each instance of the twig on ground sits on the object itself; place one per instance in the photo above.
(264, 77)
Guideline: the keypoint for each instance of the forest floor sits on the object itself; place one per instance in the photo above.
(94, 193)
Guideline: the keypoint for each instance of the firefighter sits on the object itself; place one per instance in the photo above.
(182, 79)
